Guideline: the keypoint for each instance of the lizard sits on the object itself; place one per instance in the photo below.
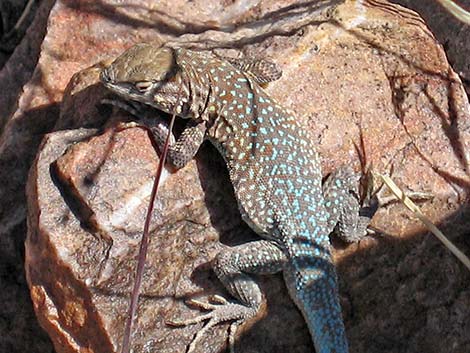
(276, 175)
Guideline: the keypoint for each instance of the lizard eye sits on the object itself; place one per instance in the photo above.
(143, 86)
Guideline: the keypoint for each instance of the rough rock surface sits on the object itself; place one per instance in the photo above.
(373, 84)
(451, 33)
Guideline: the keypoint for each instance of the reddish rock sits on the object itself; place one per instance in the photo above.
(373, 84)
(93, 201)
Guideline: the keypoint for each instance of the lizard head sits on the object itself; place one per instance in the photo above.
(150, 75)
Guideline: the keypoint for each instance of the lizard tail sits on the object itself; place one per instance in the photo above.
(311, 279)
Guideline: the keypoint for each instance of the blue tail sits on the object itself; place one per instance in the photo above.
(311, 279)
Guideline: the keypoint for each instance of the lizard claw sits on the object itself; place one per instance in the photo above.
(222, 311)
(217, 299)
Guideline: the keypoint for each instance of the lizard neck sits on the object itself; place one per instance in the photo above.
(196, 84)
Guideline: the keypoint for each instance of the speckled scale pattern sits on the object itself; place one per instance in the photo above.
(261, 70)
(276, 176)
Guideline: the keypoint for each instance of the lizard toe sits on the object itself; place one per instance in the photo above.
(224, 311)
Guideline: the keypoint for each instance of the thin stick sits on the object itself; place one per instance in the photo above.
(23, 16)
(417, 211)
(458, 12)
(145, 241)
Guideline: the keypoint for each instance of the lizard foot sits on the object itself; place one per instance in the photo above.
(221, 311)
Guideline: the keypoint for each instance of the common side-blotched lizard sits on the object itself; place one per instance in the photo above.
(276, 176)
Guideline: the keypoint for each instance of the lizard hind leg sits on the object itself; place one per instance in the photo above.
(348, 217)
(232, 266)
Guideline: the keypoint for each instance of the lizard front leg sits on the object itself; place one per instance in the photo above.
(347, 216)
(261, 70)
(233, 266)
(181, 150)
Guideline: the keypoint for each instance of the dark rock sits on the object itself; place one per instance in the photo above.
(453, 34)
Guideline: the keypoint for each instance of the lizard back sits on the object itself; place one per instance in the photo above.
(273, 165)
(276, 175)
